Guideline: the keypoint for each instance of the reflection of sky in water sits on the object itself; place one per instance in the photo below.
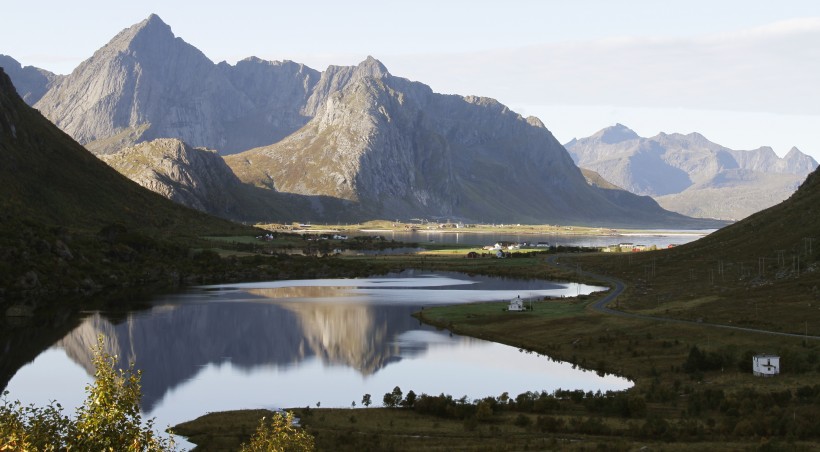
(418, 290)
(295, 343)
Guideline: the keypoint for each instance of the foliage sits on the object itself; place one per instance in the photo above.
(108, 420)
(392, 399)
(278, 433)
(366, 400)
(110, 416)
(702, 361)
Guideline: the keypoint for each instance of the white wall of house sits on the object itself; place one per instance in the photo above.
(766, 365)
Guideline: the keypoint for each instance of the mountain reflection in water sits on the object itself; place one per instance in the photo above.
(293, 343)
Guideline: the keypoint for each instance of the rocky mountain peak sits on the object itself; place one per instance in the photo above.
(146, 35)
(372, 67)
(797, 162)
(616, 134)
(31, 82)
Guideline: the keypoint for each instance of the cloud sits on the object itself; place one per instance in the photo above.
(766, 69)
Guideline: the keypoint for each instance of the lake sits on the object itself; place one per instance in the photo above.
(659, 238)
(305, 343)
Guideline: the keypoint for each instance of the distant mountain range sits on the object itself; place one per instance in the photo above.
(691, 175)
(351, 142)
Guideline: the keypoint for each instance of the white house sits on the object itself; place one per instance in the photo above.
(766, 365)
(516, 304)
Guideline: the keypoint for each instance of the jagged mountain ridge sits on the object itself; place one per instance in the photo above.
(147, 84)
(30, 82)
(373, 147)
(397, 148)
(690, 174)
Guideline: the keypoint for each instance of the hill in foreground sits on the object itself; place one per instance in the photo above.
(762, 272)
(69, 224)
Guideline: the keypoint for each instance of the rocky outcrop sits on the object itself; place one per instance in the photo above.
(195, 177)
(690, 174)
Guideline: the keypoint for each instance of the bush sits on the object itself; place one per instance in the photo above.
(108, 420)
(279, 434)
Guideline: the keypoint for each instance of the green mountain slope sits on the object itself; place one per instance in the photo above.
(48, 178)
(72, 226)
(762, 272)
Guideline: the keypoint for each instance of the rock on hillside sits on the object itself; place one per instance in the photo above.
(197, 178)
(400, 150)
(146, 84)
(31, 82)
(690, 174)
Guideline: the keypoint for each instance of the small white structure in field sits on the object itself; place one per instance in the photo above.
(766, 365)
(516, 304)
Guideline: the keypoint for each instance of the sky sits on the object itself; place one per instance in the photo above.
(743, 73)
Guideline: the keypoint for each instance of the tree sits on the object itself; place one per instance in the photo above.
(108, 420)
(392, 399)
(279, 434)
(410, 400)
(366, 400)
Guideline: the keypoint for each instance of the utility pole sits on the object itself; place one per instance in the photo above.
(807, 245)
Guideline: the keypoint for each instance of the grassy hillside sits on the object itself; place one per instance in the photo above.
(69, 224)
(49, 178)
(762, 272)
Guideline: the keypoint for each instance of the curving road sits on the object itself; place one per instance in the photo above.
(619, 286)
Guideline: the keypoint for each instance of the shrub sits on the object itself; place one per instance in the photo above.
(279, 434)
(108, 420)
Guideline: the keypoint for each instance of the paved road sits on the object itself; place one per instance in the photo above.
(619, 286)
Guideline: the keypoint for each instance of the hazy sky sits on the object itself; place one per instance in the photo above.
(744, 73)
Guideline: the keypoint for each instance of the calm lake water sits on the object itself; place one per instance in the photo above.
(299, 343)
(659, 238)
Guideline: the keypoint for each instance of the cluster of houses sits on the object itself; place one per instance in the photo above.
(632, 248)
(628, 248)
(325, 237)
(515, 246)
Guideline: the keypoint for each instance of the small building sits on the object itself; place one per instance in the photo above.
(516, 304)
(765, 365)
(626, 247)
